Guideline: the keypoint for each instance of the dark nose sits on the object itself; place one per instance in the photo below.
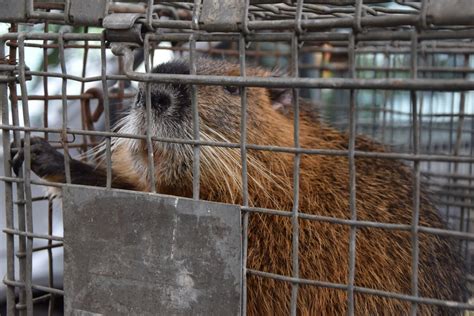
(160, 101)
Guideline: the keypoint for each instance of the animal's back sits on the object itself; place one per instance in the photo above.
(384, 193)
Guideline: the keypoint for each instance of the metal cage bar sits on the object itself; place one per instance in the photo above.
(243, 157)
(405, 60)
(9, 211)
(416, 176)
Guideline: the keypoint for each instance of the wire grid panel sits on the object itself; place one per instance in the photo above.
(389, 74)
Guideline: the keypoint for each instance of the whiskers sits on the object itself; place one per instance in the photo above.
(129, 124)
(221, 167)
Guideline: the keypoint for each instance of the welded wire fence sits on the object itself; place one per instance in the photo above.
(398, 71)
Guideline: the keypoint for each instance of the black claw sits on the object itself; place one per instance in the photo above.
(16, 157)
(13, 150)
(17, 161)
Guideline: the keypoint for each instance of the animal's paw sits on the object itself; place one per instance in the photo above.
(45, 160)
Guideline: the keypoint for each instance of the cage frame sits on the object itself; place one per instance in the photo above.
(296, 30)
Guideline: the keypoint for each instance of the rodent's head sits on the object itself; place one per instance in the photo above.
(219, 110)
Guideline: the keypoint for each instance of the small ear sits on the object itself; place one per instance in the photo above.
(281, 99)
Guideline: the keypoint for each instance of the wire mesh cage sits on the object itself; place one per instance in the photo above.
(379, 97)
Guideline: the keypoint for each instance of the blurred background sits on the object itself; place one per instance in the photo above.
(447, 125)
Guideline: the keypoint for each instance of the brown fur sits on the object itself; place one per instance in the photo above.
(384, 194)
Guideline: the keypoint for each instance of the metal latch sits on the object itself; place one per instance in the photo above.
(87, 12)
(221, 14)
(453, 12)
(12, 10)
(123, 27)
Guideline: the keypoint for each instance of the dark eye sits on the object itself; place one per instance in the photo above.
(233, 90)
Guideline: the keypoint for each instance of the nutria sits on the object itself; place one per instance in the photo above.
(384, 194)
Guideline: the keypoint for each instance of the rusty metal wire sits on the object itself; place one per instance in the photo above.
(408, 50)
